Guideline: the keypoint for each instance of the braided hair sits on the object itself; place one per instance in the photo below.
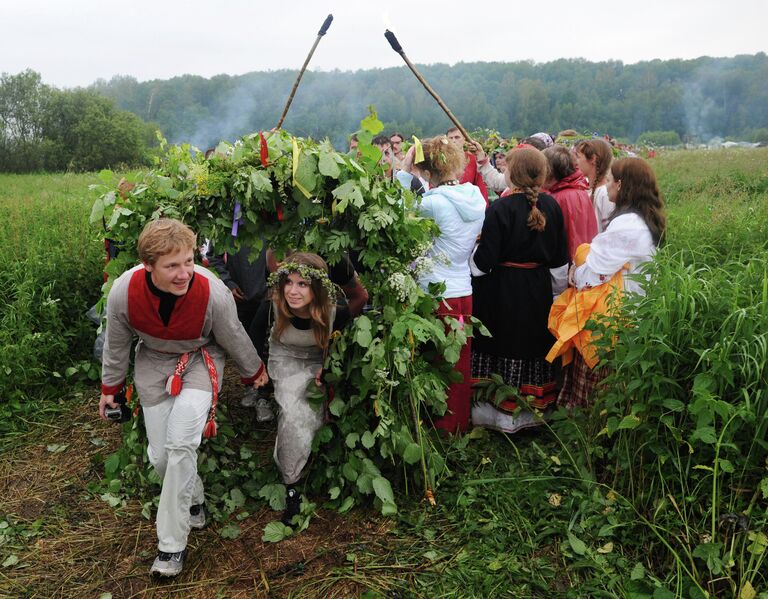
(603, 153)
(527, 169)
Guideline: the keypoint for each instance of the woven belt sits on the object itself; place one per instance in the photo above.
(524, 265)
(174, 384)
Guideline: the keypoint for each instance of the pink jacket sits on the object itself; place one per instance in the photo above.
(572, 195)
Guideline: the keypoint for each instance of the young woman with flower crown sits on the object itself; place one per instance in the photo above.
(304, 307)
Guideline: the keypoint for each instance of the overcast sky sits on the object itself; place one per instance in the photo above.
(74, 42)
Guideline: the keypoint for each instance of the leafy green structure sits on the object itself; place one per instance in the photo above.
(389, 369)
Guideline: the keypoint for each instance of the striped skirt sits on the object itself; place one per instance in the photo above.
(534, 378)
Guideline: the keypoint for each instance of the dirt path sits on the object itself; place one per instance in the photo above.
(70, 543)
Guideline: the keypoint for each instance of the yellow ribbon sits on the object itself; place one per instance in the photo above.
(419, 151)
(296, 154)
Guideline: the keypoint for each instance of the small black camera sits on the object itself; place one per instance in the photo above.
(122, 413)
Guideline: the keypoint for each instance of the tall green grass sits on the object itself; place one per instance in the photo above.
(50, 265)
(679, 434)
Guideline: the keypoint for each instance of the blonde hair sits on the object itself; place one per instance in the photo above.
(319, 307)
(442, 159)
(527, 169)
(162, 237)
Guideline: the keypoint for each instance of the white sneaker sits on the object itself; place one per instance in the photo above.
(197, 516)
(168, 564)
(264, 411)
(249, 398)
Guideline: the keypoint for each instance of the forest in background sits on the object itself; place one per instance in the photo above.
(699, 99)
(112, 124)
(43, 128)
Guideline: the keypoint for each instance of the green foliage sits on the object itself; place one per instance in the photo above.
(51, 271)
(759, 135)
(698, 99)
(47, 129)
(389, 369)
(659, 138)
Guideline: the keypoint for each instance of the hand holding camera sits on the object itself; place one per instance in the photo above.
(114, 408)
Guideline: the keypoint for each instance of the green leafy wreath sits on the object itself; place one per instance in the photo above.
(390, 368)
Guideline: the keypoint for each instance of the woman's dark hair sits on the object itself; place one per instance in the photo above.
(639, 192)
(527, 169)
(381, 140)
(561, 162)
(534, 141)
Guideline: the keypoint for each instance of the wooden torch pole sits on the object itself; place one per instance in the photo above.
(320, 34)
(399, 49)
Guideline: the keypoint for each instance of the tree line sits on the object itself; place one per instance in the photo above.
(695, 99)
(46, 129)
(113, 123)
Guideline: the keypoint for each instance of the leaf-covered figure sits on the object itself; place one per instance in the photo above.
(390, 368)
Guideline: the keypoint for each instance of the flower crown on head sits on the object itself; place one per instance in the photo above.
(305, 272)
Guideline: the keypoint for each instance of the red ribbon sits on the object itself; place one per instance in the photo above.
(264, 151)
(174, 383)
(279, 209)
(210, 426)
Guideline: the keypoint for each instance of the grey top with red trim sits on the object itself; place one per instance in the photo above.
(205, 316)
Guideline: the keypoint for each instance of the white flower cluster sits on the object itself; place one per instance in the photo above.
(441, 259)
(383, 376)
(422, 249)
(422, 265)
(401, 284)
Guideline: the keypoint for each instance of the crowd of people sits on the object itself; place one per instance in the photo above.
(534, 240)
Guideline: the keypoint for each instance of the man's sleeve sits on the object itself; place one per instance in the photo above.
(230, 334)
(480, 183)
(490, 176)
(117, 341)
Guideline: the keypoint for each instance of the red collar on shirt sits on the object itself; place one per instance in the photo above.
(187, 318)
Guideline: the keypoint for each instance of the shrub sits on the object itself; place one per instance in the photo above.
(659, 138)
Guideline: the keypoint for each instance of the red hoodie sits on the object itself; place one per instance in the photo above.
(578, 214)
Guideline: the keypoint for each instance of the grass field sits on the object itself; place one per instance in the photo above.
(660, 491)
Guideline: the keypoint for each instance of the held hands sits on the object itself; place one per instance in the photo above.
(571, 273)
(105, 402)
(237, 293)
(262, 380)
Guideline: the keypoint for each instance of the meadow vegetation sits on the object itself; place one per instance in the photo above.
(660, 490)
(50, 275)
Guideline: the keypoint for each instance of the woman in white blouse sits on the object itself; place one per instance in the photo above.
(634, 231)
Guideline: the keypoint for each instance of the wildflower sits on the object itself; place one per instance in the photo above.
(402, 285)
